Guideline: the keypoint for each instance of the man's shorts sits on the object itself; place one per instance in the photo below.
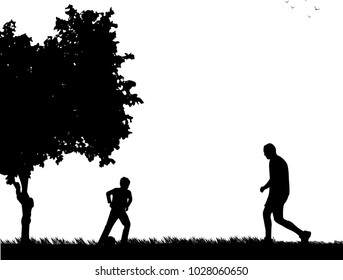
(275, 203)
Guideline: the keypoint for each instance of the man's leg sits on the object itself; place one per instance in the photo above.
(124, 218)
(112, 218)
(278, 217)
(267, 222)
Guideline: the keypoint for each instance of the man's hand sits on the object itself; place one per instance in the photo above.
(262, 189)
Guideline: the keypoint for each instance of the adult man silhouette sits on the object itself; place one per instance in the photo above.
(119, 200)
(278, 185)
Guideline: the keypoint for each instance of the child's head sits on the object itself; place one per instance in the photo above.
(124, 183)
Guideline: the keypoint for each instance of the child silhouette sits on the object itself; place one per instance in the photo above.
(119, 200)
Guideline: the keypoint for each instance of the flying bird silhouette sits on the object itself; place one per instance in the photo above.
(287, 1)
(292, 7)
(317, 9)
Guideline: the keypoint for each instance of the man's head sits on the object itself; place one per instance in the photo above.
(124, 183)
(269, 151)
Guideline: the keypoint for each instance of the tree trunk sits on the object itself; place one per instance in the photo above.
(26, 204)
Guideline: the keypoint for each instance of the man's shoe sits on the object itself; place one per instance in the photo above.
(305, 236)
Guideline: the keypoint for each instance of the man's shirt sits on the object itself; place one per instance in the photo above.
(279, 178)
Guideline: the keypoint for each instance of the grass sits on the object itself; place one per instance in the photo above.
(170, 248)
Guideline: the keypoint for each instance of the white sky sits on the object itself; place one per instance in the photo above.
(219, 80)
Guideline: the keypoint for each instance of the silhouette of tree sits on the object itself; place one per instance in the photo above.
(62, 97)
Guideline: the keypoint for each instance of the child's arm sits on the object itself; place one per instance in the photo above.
(108, 196)
(129, 200)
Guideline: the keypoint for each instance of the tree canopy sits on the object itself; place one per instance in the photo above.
(64, 96)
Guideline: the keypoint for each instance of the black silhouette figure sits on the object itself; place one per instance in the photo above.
(120, 202)
(278, 185)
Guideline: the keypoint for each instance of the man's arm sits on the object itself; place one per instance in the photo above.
(266, 186)
(269, 183)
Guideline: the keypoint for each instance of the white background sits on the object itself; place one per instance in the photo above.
(219, 79)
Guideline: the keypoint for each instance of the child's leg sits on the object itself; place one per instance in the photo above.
(126, 223)
(112, 218)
